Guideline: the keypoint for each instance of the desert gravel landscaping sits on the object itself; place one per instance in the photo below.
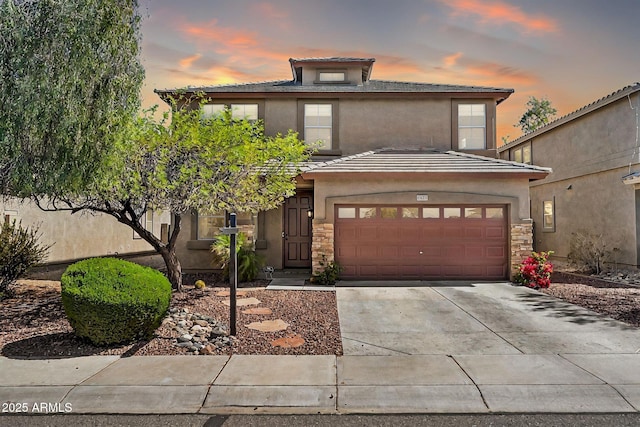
(33, 323)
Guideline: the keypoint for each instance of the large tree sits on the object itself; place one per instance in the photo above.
(539, 113)
(70, 79)
(190, 163)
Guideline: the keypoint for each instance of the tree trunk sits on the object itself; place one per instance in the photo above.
(174, 269)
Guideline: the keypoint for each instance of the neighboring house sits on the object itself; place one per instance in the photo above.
(406, 183)
(595, 184)
(84, 234)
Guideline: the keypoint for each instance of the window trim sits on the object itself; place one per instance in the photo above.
(483, 127)
(320, 72)
(552, 227)
(489, 111)
(335, 123)
(197, 216)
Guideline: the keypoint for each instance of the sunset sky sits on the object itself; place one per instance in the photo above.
(572, 52)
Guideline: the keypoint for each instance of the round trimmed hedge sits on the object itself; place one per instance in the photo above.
(110, 301)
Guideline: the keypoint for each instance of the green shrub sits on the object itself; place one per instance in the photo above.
(110, 301)
(329, 274)
(19, 251)
(249, 262)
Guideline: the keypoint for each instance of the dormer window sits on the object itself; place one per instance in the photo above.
(331, 76)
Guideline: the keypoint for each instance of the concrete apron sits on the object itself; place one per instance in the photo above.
(481, 347)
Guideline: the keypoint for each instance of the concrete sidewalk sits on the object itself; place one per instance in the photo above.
(445, 349)
(586, 383)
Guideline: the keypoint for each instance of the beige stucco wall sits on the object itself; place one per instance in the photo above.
(80, 235)
(598, 203)
(330, 191)
(272, 234)
(366, 124)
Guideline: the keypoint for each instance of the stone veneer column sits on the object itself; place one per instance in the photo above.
(521, 244)
(321, 244)
(249, 230)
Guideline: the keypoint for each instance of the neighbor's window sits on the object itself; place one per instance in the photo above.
(318, 125)
(244, 111)
(209, 226)
(526, 154)
(10, 216)
(472, 126)
(212, 110)
(548, 215)
(147, 222)
(522, 154)
(517, 155)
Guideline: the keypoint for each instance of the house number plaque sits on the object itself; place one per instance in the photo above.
(422, 197)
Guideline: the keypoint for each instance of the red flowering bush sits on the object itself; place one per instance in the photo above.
(535, 271)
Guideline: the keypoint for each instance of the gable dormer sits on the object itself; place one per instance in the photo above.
(331, 71)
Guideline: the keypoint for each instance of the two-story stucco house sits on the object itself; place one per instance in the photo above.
(594, 187)
(406, 183)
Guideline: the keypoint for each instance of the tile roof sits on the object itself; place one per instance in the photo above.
(606, 100)
(421, 161)
(372, 86)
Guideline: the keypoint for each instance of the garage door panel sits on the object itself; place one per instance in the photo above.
(365, 251)
(423, 248)
(346, 232)
(346, 252)
(496, 232)
(389, 252)
(453, 231)
(496, 252)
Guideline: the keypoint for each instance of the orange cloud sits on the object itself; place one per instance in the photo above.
(188, 61)
(225, 36)
(451, 60)
(499, 12)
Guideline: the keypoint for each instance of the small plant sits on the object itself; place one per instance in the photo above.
(329, 275)
(535, 271)
(110, 301)
(588, 252)
(19, 251)
(249, 262)
(200, 284)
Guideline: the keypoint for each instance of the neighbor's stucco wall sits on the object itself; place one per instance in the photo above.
(81, 235)
(597, 203)
(590, 154)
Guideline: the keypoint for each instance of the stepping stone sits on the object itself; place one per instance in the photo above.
(257, 310)
(243, 301)
(228, 293)
(269, 325)
(288, 342)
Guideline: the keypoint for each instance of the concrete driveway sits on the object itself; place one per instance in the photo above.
(466, 318)
(468, 347)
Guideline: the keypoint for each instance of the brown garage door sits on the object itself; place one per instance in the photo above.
(421, 242)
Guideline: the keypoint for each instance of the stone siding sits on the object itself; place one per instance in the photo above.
(521, 244)
(322, 244)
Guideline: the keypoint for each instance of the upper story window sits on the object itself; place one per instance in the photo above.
(472, 127)
(318, 125)
(212, 110)
(244, 111)
(331, 77)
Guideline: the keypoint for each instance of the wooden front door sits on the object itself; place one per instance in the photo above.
(297, 230)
